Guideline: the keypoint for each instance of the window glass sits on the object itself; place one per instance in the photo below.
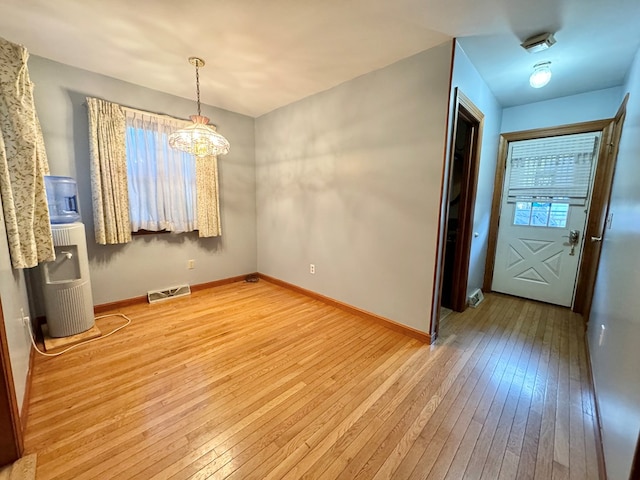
(558, 215)
(541, 214)
(523, 213)
(162, 181)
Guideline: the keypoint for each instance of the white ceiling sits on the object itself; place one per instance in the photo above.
(265, 54)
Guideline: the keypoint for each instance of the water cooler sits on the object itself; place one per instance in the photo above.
(66, 283)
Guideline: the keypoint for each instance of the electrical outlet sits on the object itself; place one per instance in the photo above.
(312, 269)
(24, 319)
(191, 264)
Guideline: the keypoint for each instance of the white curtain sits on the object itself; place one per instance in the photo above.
(108, 172)
(23, 163)
(162, 181)
(140, 183)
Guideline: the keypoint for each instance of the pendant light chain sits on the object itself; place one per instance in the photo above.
(198, 138)
(198, 84)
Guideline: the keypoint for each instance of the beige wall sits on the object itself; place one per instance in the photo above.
(349, 180)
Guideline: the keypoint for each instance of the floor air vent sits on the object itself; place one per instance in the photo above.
(475, 298)
(160, 295)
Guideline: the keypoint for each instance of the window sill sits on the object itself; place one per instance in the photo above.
(152, 232)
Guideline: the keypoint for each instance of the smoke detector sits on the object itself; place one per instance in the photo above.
(538, 43)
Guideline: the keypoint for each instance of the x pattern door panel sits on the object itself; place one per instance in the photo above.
(529, 256)
(534, 262)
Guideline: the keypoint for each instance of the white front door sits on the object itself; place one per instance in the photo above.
(534, 255)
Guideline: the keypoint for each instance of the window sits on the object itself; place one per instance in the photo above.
(161, 180)
(541, 214)
(139, 183)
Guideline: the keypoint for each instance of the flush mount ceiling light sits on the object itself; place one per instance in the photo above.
(199, 139)
(541, 74)
(538, 43)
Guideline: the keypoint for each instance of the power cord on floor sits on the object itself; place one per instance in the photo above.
(33, 341)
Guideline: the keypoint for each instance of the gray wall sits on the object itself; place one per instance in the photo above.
(614, 326)
(13, 295)
(469, 81)
(152, 261)
(349, 179)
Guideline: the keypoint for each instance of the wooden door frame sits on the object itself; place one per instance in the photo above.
(599, 201)
(11, 439)
(635, 465)
(463, 108)
(598, 215)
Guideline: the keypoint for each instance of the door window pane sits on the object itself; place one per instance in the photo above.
(558, 215)
(541, 214)
(523, 213)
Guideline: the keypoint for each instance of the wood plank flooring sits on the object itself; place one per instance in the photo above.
(253, 381)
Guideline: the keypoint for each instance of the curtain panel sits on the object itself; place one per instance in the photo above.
(162, 181)
(140, 183)
(109, 185)
(208, 197)
(23, 163)
(168, 189)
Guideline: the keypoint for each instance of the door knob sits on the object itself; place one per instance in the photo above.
(596, 239)
(574, 237)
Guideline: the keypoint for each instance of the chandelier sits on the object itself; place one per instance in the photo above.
(199, 139)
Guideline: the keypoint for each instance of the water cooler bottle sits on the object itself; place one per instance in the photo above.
(66, 284)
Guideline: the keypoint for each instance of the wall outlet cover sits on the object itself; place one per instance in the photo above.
(475, 298)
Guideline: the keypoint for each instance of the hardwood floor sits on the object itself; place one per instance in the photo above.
(255, 381)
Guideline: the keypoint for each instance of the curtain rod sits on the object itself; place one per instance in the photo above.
(144, 112)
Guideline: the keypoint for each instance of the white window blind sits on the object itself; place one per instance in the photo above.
(556, 169)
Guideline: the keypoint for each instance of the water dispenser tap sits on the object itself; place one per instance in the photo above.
(68, 255)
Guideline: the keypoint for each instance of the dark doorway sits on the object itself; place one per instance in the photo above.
(458, 200)
(462, 149)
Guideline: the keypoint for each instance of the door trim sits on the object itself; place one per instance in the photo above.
(635, 466)
(596, 223)
(465, 109)
(505, 138)
(12, 444)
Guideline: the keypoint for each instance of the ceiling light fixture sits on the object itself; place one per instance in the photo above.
(541, 75)
(199, 139)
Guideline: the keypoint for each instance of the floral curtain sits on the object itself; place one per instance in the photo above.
(23, 163)
(208, 197)
(109, 188)
(138, 182)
